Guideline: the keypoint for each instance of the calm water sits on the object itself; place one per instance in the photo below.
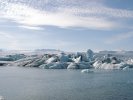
(39, 84)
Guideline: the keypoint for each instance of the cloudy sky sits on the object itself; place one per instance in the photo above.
(69, 25)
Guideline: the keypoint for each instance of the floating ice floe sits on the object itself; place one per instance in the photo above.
(126, 68)
(86, 71)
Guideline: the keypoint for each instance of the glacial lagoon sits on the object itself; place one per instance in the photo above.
(24, 83)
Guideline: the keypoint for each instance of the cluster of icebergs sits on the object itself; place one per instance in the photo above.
(85, 60)
(112, 63)
(58, 61)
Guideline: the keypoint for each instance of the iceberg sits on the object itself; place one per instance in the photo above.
(56, 65)
(77, 60)
(63, 57)
(109, 63)
(46, 66)
(84, 65)
(81, 65)
(89, 55)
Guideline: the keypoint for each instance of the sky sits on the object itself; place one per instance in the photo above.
(69, 25)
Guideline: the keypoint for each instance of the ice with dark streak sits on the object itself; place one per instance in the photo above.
(79, 60)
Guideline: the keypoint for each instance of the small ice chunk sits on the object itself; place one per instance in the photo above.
(126, 68)
(2, 98)
(86, 71)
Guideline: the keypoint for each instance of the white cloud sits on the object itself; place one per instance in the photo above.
(30, 27)
(33, 17)
(92, 16)
(120, 37)
(98, 11)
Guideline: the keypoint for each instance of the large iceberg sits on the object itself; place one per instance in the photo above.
(110, 63)
(57, 61)
(79, 60)
(89, 55)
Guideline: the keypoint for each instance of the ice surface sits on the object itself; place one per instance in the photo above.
(89, 55)
(73, 66)
(63, 57)
(77, 60)
(111, 62)
(52, 59)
